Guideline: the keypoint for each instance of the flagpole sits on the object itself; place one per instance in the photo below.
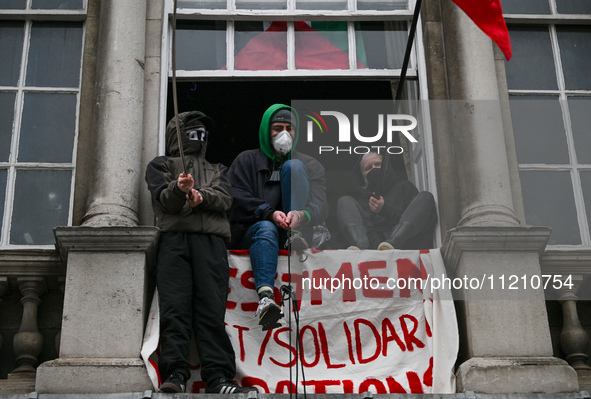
(406, 60)
(174, 91)
(402, 80)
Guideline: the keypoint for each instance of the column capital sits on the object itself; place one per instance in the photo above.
(490, 239)
(106, 239)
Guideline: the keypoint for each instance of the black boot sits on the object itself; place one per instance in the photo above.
(356, 235)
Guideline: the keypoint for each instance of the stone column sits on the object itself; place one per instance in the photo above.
(479, 139)
(505, 333)
(118, 114)
(104, 311)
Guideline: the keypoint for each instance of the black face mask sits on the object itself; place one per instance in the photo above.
(373, 178)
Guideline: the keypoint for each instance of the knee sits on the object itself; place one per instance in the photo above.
(427, 201)
(266, 230)
(295, 167)
(426, 197)
(344, 203)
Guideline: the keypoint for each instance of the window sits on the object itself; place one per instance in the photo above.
(550, 92)
(41, 53)
(291, 38)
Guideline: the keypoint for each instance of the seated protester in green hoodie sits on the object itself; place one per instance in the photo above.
(192, 272)
(279, 196)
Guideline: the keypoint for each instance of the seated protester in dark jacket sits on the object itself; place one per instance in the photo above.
(389, 215)
(276, 191)
(192, 272)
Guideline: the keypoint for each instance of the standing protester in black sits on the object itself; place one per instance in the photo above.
(192, 270)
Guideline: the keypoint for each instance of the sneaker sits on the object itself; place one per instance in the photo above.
(226, 386)
(269, 313)
(296, 241)
(175, 383)
(385, 246)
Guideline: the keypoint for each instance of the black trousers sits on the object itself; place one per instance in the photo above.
(420, 214)
(192, 279)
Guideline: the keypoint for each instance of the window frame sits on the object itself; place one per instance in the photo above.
(290, 15)
(574, 167)
(28, 16)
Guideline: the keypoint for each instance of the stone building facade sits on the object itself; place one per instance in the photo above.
(84, 98)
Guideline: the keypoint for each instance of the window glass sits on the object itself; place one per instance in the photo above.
(260, 45)
(539, 131)
(526, 7)
(55, 54)
(48, 127)
(3, 173)
(207, 4)
(6, 122)
(261, 4)
(57, 4)
(41, 202)
(200, 45)
(575, 52)
(321, 45)
(321, 5)
(532, 65)
(381, 45)
(549, 201)
(573, 6)
(382, 5)
(11, 48)
(13, 4)
(586, 183)
(580, 116)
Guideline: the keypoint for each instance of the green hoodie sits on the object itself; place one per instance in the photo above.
(265, 128)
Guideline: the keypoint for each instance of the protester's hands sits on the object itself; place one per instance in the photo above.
(195, 198)
(293, 219)
(185, 182)
(376, 204)
(280, 220)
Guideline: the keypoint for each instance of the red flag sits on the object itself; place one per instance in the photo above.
(268, 50)
(488, 16)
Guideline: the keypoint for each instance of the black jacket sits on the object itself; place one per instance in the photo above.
(171, 209)
(255, 198)
(397, 194)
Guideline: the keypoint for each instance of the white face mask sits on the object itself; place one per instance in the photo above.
(282, 142)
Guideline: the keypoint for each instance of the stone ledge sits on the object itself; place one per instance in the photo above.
(92, 376)
(30, 262)
(516, 375)
(571, 261)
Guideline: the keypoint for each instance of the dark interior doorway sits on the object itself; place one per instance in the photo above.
(237, 108)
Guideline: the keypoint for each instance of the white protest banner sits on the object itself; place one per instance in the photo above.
(368, 321)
